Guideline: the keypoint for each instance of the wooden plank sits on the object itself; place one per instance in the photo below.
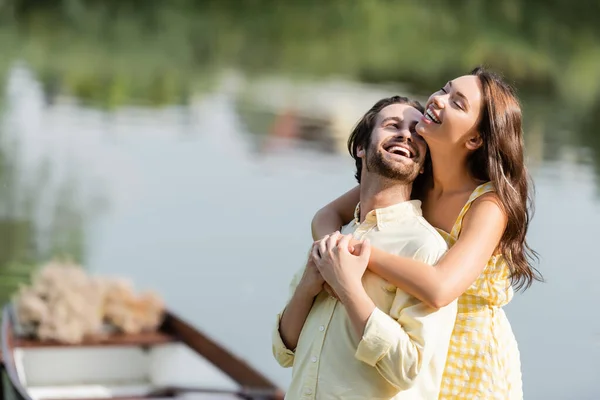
(200, 396)
(142, 339)
(235, 367)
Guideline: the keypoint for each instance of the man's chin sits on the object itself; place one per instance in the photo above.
(396, 175)
(402, 170)
(403, 173)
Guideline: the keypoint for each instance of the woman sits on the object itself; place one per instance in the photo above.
(476, 195)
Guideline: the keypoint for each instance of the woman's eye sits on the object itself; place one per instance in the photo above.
(444, 90)
(459, 105)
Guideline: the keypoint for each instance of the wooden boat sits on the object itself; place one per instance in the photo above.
(176, 362)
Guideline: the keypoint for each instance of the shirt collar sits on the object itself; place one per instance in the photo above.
(390, 214)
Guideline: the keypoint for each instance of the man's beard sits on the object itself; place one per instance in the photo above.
(377, 164)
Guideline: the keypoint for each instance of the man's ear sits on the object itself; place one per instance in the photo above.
(474, 142)
(360, 152)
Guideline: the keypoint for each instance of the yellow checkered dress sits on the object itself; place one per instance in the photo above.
(483, 358)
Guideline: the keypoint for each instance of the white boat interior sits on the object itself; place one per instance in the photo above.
(109, 371)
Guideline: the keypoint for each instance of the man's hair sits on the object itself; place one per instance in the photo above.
(361, 134)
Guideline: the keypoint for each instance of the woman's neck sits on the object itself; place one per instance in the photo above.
(449, 174)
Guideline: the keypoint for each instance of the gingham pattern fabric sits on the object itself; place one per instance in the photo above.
(483, 358)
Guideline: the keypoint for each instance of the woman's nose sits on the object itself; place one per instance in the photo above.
(438, 101)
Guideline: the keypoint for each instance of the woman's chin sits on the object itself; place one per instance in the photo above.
(422, 128)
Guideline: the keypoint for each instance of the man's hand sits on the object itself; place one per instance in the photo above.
(299, 306)
(344, 271)
(330, 291)
(311, 282)
(341, 269)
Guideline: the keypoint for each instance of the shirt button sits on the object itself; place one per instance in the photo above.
(308, 391)
(313, 359)
(321, 328)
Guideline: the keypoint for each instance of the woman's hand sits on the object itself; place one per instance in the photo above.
(341, 269)
(354, 246)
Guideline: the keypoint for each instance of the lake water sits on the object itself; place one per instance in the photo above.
(210, 204)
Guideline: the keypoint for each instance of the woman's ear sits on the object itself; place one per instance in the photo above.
(474, 142)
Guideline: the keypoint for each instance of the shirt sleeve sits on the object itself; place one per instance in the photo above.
(283, 355)
(401, 345)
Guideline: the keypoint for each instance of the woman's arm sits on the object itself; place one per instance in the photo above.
(439, 285)
(335, 214)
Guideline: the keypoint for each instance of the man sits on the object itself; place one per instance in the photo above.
(375, 342)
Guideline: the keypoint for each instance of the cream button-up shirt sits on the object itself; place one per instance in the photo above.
(403, 349)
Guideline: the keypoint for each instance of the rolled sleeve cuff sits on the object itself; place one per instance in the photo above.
(377, 338)
(283, 355)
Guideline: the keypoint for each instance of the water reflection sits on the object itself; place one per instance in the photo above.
(320, 114)
(315, 114)
(44, 203)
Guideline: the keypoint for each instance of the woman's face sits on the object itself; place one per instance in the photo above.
(452, 113)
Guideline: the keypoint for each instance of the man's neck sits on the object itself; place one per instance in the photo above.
(377, 192)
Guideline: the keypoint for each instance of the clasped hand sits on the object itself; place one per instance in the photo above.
(342, 262)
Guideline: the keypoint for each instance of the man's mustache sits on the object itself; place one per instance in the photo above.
(412, 147)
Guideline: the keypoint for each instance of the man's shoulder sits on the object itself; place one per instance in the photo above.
(429, 234)
(429, 242)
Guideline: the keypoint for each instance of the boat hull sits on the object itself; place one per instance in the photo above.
(178, 361)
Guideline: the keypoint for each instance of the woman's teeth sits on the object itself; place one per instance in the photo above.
(430, 116)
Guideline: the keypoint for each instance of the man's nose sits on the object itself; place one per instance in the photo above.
(405, 135)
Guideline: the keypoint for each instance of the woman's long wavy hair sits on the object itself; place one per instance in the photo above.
(501, 160)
